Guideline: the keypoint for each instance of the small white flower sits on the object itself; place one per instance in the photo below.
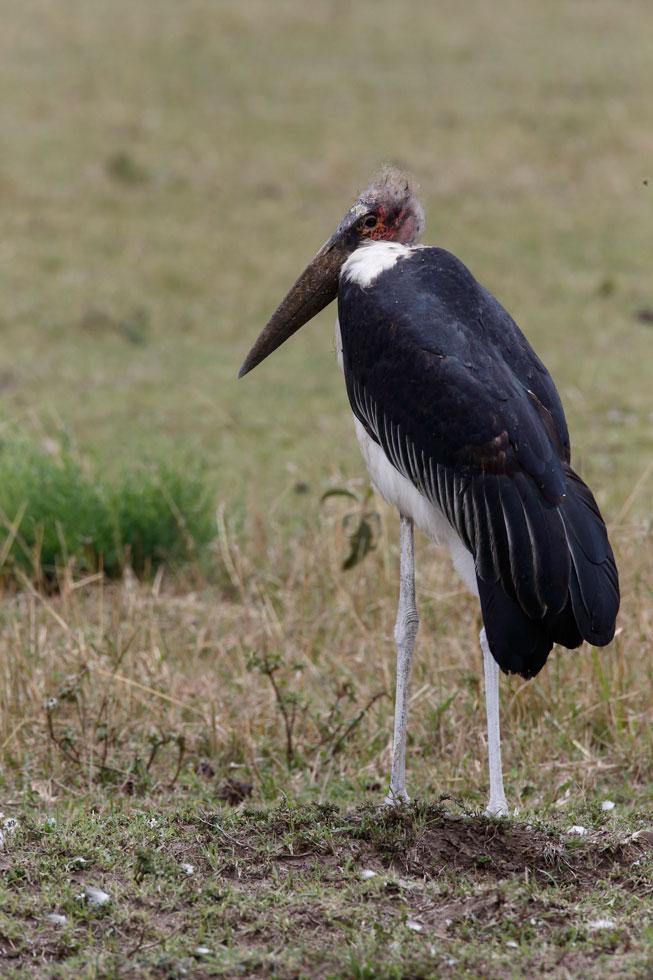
(608, 805)
(152, 822)
(367, 873)
(577, 830)
(601, 924)
(56, 919)
(51, 703)
(188, 869)
(202, 951)
(95, 896)
(414, 926)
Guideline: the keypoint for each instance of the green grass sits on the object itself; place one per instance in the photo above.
(56, 516)
(320, 890)
(166, 170)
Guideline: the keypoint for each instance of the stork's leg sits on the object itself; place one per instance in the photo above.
(405, 633)
(498, 806)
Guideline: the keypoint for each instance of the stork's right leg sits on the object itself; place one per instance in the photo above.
(405, 633)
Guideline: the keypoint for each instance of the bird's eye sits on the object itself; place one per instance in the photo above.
(371, 221)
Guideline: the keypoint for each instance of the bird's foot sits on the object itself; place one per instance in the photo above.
(397, 797)
(497, 808)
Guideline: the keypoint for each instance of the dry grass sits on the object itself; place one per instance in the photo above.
(132, 660)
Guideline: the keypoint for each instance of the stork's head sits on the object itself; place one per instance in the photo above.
(387, 211)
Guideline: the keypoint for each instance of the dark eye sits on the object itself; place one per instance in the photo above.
(371, 221)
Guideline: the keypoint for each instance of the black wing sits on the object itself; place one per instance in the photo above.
(443, 379)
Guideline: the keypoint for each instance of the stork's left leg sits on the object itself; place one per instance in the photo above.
(405, 633)
(498, 806)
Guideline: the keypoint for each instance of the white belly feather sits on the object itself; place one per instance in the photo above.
(402, 494)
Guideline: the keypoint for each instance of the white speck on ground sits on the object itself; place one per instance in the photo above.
(608, 805)
(414, 926)
(10, 825)
(95, 896)
(601, 924)
(202, 951)
(188, 869)
(367, 873)
(512, 944)
(577, 830)
(56, 919)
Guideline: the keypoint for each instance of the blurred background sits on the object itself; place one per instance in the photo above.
(166, 170)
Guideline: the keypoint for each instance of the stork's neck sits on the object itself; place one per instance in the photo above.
(368, 262)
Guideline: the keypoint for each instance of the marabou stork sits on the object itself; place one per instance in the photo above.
(463, 431)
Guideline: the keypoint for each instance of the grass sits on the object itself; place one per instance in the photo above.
(59, 519)
(166, 170)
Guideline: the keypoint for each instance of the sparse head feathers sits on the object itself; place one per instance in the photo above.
(396, 191)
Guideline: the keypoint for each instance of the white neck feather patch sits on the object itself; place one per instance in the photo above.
(368, 262)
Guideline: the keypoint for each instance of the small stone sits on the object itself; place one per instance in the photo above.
(577, 830)
(56, 919)
(202, 951)
(414, 926)
(512, 944)
(95, 896)
(367, 873)
(188, 869)
(608, 805)
(601, 924)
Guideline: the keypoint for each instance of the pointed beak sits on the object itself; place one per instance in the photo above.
(316, 288)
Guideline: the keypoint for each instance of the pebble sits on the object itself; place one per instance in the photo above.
(188, 869)
(202, 951)
(367, 873)
(414, 926)
(608, 805)
(512, 944)
(577, 830)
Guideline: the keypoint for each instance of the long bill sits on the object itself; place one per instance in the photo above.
(316, 288)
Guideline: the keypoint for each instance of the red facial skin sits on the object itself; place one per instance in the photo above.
(391, 228)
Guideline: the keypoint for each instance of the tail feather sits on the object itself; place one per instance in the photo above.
(572, 568)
